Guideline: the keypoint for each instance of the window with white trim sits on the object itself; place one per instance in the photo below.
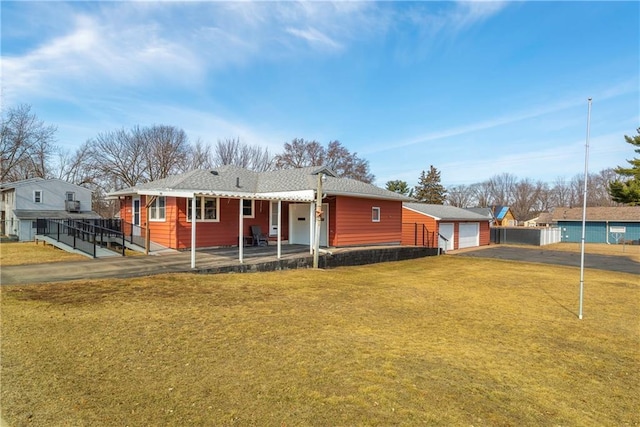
(207, 209)
(375, 214)
(37, 196)
(273, 219)
(157, 209)
(248, 208)
(70, 196)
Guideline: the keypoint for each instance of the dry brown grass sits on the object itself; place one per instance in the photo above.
(437, 341)
(21, 253)
(630, 251)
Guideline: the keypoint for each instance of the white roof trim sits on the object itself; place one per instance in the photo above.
(300, 195)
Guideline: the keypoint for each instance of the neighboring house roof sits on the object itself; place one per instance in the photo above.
(619, 213)
(499, 212)
(11, 185)
(486, 212)
(545, 218)
(445, 212)
(297, 184)
(5, 186)
(33, 215)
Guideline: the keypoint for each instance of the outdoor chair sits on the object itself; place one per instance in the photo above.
(259, 239)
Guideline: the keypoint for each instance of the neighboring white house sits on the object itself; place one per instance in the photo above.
(23, 202)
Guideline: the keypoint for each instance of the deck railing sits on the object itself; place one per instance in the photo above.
(85, 235)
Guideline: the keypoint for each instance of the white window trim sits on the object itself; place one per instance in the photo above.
(40, 194)
(72, 194)
(253, 208)
(375, 214)
(202, 200)
(155, 208)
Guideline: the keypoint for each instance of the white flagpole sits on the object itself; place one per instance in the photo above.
(584, 209)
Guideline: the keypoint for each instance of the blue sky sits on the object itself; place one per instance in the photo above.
(473, 88)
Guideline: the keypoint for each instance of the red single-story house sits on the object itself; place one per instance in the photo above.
(454, 228)
(228, 200)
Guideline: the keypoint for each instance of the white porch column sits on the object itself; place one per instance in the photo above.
(279, 229)
(312, 226)
(241, 235)
(193, 231)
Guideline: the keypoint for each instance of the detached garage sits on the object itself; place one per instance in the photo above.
(446, 227)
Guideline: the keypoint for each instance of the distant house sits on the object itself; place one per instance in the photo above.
(602, 225)
(228, 200)
(453, 228)
(24, 202)
(503, 217)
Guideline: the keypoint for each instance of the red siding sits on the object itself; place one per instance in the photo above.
(351, 224)
(413, 229)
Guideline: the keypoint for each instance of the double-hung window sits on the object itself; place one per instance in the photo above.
(207, 209)
(157, 209)
(37, 196)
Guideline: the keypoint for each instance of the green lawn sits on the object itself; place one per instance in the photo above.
(436, 341)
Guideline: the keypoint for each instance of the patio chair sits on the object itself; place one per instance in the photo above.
(259, 238)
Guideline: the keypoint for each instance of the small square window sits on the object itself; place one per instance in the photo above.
(71, 196)
(375, 214)
(247, 208)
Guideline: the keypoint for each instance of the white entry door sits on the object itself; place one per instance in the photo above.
(468, 235)
(300, 223)
(446, 232)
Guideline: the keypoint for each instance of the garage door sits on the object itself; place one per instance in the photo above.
(468, 235)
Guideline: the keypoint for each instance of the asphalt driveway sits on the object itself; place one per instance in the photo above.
(572, 259)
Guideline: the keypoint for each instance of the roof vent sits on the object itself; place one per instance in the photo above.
(214, 172)
(238, 182)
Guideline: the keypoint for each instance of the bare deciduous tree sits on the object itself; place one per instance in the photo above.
(232, 151)
(26, 145)
(301, 153)
(461, 196)
(200, 156)
(501, 188)
(125, 158)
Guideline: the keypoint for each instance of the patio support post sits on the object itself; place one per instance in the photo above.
(318, 223)
(240, 234)
(193, 231)
(279, 229)
(311, 227)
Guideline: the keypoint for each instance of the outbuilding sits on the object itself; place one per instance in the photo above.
(602, 225)
(446, 227)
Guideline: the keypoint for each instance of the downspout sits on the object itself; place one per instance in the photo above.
(606, 231)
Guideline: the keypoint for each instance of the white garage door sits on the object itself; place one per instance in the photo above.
(468, 235)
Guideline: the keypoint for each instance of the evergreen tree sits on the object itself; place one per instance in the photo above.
(400, 187)
(429, 190)
(628, 191)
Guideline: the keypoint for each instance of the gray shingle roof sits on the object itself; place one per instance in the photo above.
(246, 183)
(619, 213)
(446, 212)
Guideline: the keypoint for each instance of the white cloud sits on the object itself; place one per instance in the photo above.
(315, 38)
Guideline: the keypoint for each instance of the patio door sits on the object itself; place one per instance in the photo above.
(135, 218)
(300, 223)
